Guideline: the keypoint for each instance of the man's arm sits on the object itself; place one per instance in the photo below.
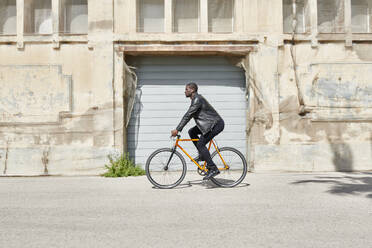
(194, 107)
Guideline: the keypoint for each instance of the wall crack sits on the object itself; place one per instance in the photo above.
(302, 109)
(6, 157)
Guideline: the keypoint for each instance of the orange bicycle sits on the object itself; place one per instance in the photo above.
(166, 167)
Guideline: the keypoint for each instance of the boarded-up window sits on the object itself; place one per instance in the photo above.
(186, 16)
(331, 16)
(150, 16)
(38, 17)
(302, 16)
(220, 16)
(74, 16)
(8, 17)
(361, 16)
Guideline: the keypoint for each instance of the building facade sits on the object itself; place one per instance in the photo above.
(83, 79)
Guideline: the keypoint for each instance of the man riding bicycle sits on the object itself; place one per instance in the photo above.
(208, 124)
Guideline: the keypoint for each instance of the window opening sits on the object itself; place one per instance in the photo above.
(302, 16)
(220, 16)
(361, 11)
(186, 16)
(331, 16)
(74, 16)
(8, 17)
(38, 17)
(150, 16)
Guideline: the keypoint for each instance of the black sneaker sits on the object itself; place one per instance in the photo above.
(211, 173)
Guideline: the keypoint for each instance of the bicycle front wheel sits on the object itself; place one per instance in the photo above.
(164, 169)
(232, 166)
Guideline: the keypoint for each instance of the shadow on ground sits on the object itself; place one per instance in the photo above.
(211, 185)
(202, 183)
(349, 184)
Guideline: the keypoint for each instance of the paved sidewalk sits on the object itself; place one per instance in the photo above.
(266, 210)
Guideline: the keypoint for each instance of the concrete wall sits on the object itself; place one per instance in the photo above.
(55, 105)
(62, 109)
(58, 99)
(335, 131)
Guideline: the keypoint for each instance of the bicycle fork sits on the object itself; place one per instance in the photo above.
(170, 158)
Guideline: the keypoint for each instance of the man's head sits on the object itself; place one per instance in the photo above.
(190, 89)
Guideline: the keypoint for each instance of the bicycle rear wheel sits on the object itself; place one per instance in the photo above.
(232, 166)
(161, 175)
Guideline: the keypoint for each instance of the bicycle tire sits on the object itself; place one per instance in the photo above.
(225, 179)
(156, 172)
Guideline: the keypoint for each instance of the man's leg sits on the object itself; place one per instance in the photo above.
(204, 139)
(194, 133)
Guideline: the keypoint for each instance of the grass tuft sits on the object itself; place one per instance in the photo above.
(122, 166)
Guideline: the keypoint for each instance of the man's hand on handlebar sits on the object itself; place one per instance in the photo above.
(174, 133)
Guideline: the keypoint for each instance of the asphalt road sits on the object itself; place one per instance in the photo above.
(267, 210)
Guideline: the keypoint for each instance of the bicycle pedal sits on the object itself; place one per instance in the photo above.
(201, 172)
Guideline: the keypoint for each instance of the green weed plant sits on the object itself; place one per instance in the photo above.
(122, 166)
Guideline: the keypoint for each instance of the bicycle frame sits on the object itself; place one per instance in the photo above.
(204, 167)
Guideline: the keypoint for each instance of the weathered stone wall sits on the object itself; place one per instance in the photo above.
(58, 99)
(56, 110)
(335, 132)
(64, 99)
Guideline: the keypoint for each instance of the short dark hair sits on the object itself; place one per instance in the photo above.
(193, 86)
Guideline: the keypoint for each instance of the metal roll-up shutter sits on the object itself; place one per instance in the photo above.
(160, 101)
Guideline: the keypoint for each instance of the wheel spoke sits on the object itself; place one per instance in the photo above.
(237, 167)
(155, 168)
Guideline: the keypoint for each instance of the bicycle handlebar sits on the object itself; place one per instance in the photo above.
(178, 136)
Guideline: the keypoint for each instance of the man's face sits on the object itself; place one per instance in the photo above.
(188, 91)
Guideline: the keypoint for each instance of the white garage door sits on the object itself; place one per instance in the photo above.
(161, 103)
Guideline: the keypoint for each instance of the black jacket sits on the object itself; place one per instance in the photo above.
(203, 113)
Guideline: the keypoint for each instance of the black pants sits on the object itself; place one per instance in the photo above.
(204, 139)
